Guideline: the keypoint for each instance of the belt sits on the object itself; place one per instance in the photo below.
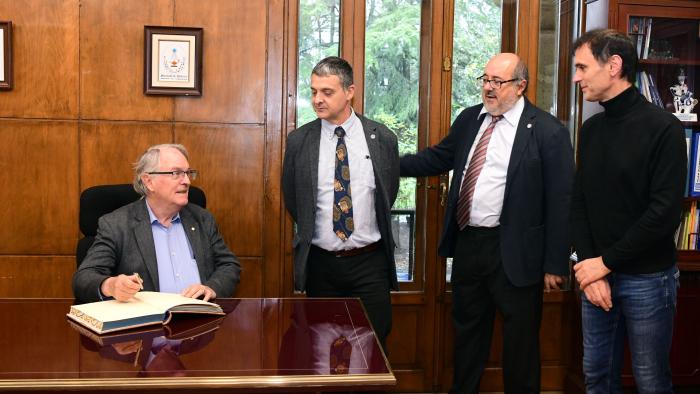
(483, 230)
(349, 252)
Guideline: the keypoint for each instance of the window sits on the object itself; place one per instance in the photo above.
(476, 38)
(392, 59)
(319, 37)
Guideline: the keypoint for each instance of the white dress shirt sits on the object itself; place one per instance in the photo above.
(361, 339)
(489, 192)
(362, 187)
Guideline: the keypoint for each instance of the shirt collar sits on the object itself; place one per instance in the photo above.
(154, 219)
(512, 116)
(328, 128)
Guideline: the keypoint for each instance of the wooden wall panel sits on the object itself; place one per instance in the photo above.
(251, 284)
(108, 149)
(234, 61)
(554, 312)
(79, 64)
(401, 343)
(111, 59)
(274, 233)
(39, 174)
(231, 161)
(555, 334)
(45, 57)
(36, 276)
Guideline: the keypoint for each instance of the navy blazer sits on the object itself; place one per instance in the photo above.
(124, 245)
(534, 222)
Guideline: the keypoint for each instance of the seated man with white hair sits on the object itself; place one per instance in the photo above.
(159, 242)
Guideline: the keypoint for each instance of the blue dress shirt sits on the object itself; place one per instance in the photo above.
(177, 267)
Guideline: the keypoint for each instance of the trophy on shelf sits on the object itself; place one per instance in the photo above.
(683, 101)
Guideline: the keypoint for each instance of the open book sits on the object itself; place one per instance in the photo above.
(146, 308)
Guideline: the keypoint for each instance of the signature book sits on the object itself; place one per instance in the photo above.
(146, 308)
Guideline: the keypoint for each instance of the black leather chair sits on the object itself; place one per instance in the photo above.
(100, 200)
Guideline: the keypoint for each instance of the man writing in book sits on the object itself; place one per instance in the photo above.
(626, 205)
(160, 242)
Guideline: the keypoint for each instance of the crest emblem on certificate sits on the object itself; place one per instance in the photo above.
(175, 64)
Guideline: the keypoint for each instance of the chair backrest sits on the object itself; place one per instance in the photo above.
(103, 199)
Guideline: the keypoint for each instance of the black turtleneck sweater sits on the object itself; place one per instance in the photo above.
(628, 192)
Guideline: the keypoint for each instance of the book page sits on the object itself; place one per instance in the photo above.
(166, 301)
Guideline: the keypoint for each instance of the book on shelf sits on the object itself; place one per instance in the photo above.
(644, 86)
(681, 242)
(647, 38)
(647, 87)
(654, 91)
(687, 237)
(694, 173)
(639, 30)
(636, 32)
(688, 145)
(145, 308)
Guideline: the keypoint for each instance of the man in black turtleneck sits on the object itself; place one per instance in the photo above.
(626, 206)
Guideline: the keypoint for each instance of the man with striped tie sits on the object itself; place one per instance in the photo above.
(506, 222)
(340, 178)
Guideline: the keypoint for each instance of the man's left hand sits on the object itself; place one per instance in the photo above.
(552, 282)
(590, 270)
(196, 291)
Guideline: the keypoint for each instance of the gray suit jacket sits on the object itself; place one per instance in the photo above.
(124, 245)
(300, 181)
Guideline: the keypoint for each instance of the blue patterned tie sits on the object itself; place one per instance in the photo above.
(343, 225)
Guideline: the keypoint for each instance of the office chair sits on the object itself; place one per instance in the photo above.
(103, 199)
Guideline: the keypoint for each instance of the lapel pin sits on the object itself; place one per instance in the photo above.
(372, 136)
(192, 228)
(529, 125)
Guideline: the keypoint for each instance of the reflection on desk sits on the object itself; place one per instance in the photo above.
(156, 350)
(265, 344)
(326, 341)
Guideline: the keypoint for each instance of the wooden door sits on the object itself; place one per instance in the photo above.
(406, 49)
(539, 31)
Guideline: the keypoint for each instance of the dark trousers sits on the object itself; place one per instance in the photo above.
(365, 276)
(480, 287)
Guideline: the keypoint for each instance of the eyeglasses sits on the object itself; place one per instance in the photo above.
(495, 83)
(176, 174)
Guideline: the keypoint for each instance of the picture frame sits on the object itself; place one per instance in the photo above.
(172, 61)
(6, 55)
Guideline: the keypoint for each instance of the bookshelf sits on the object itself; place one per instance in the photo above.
(667, 35)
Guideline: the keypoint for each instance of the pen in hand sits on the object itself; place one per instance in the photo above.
(138, 278)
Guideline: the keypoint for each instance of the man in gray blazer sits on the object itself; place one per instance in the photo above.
(340, 179)
(160, 242)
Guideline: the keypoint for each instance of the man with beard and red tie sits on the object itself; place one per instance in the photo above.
(506, 223)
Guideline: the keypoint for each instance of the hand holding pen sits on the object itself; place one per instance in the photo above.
(122, 287)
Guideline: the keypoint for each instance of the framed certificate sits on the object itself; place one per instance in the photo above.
(5, 55)
(173, 60)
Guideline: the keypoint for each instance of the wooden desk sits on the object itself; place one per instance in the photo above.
(272, 345)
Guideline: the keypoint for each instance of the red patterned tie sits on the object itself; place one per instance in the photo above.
(464, 204)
